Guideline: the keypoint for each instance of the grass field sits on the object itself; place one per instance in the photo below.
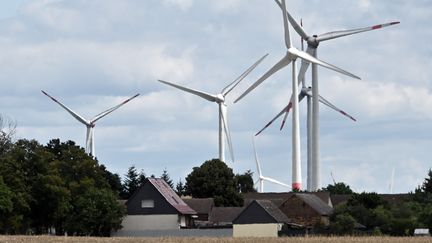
(206, 239)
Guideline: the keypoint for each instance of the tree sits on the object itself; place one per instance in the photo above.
(180, 188)
(131, 182)
(427, 184)
(165, 176)
(245, 182)
(338, 188)
(343, 224)
(7, 132)
(214, 179)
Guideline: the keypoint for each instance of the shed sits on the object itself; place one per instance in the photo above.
(203, 207)
(261, 218)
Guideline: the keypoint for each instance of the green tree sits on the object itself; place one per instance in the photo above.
(6, 205)
(427, 184)
(165, 176)
(95, 211)
(180, 188)
(245, 182)
(343, 224)
(338, 188)
(131, 182)
(214, 179)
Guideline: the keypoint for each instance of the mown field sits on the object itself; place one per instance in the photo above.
(215, 240)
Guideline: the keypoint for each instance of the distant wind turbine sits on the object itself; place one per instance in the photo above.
(306, 92)
(291, 57)
(262, 178)
(313, 42)
(90, 124)
(220, 100)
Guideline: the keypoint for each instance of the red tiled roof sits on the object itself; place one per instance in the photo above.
(172, 198)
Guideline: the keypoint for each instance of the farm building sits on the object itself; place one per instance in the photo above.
(203, 207)
(155, 206)
(261, 218)
(306, 209)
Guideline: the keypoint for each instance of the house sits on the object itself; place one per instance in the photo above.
(155, 206)
(203, 207)
(261, 218)
(306, 209)
(223, 217)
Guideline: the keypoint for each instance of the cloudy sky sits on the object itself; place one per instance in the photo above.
(91, 55)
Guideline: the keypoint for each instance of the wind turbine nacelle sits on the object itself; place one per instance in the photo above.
(220, 98)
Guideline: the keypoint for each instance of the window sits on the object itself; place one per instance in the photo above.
(148, 203)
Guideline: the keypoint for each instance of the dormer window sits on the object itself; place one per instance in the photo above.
(147, 203)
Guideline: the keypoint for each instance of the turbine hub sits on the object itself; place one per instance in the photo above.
(220, 98)
(312, 41)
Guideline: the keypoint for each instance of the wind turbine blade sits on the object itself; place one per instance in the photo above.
(104, 113)
(306, 56)
(305, 64)
(73, 113)
(276, 117)
(298, 28)
(275, 181)
(278, 66)
(300, 97)
(201, 94)
(341, 33)
(256, 158)
(286, 27)
(227, 134)
(232, 85)
(327, 103)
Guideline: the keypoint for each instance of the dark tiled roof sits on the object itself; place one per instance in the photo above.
(172, 198)
(273, 211)
(316, 203)
(200, 205)
(224, 214)
(277, 198)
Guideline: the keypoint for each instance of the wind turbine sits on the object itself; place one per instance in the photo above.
(262, 178)
(306, 92)
(291, 57)
(90, 124)
(220, 100)
(313, 42)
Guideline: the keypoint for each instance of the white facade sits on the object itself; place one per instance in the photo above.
(150, 222)
(256, 230)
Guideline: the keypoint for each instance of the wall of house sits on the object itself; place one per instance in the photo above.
(150, 222)
(255, 230)
(300, 212)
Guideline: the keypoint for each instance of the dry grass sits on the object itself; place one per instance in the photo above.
(207, 239)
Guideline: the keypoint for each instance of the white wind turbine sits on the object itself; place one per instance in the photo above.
(291, 57)
(90, 124)
(262, 178)
(306, 92)
(220, 100)
(313, 42)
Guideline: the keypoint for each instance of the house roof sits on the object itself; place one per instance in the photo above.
(270, 213)
(200, 205)
(273, 210)
(172, 198)
(315, 202)
(224, 214)
(277, 198)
